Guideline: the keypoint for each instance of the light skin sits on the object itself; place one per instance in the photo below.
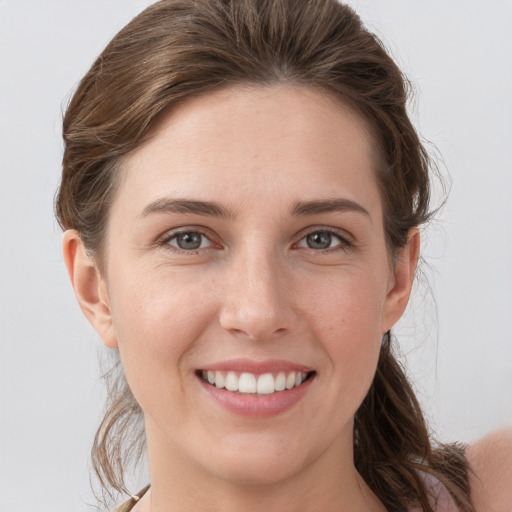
(278, 187)
(490, 480)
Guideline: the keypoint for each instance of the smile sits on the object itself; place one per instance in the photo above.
(256, 389)
(254, 384)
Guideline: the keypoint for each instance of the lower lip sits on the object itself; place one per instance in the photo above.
(257, 406)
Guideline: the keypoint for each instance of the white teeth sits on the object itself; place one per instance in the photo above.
(266, 384)
(219, 379)
(290, 380)
(231, 382)
(280, 381)
(249, 383)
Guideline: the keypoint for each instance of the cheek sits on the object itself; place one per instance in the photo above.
(347, 321)
(347, 303)
(157, 321)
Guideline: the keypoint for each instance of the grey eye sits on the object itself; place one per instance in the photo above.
(188, 241)
(319, 240)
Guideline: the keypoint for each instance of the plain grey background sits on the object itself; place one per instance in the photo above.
(458, 53)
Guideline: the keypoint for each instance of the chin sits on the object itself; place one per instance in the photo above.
(257, 471)
(258, 462)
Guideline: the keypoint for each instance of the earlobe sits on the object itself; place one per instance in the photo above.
(89, 287)
(403, 278)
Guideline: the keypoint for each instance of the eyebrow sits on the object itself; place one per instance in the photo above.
(303, 208)
(167, 205)
(212, 209)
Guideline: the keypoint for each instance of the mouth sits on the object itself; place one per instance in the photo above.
(262, 384)
(256, 389)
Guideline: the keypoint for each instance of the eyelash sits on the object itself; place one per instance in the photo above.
(344, 243)
(166, 241)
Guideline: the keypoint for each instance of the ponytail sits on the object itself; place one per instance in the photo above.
(392, 445)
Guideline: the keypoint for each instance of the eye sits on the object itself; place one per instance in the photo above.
(322, 240)
(189, 241)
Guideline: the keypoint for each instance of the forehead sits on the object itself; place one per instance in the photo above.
(244, 143)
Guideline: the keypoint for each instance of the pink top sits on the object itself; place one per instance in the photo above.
(441, 500)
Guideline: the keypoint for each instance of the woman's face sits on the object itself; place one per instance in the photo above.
(246, 246)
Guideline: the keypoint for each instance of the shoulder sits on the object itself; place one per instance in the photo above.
(490, 460)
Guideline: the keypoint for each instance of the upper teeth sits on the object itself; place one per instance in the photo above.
(246, 382)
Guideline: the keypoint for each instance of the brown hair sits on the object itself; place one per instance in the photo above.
(179, 48)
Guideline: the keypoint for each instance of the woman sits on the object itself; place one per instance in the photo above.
(241, 194)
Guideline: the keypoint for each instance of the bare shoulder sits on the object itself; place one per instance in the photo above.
(490, 459)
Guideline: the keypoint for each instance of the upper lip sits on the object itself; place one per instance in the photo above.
(257, 367)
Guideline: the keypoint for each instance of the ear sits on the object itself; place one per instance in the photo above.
(401, 280)
(90, 287)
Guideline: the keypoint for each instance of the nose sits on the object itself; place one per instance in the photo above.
(256, 303)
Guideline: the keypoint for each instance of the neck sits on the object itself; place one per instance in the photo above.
(328, 483)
